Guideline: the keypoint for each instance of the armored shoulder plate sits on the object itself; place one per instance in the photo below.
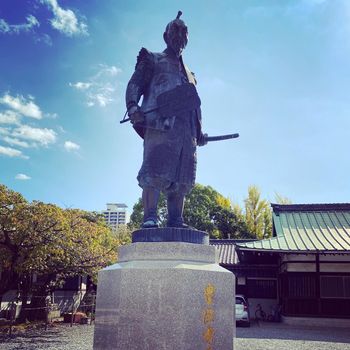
(144, 56)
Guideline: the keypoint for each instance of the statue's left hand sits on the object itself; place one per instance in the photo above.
(202, 140)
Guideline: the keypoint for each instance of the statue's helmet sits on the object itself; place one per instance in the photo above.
(176, 35)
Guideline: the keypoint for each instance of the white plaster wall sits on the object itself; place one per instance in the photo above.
(66, 298)
(336, 257)
(334, 267)
(6, 302)
(298, 257)
(300, 267)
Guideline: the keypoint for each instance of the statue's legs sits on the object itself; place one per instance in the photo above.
(150, 196)
(175, 202)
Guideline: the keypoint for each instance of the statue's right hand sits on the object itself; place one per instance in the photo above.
(136, 115)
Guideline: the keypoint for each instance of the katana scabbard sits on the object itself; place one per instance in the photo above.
(221, 137)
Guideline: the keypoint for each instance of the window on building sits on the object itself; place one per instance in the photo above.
(301, 286)
(335, 286)
(262, 288)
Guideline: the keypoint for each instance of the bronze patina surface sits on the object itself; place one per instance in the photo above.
(169, 121)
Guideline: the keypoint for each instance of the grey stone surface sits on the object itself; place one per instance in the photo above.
(170, 234)
(168, 251)
(158, 303)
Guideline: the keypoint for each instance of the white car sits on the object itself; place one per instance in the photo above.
(242, 311)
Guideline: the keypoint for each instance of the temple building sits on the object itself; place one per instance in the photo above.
(303, 269)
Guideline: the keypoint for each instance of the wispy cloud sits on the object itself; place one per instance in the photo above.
(4, 131)
(9, 117)
(38, 136)
(65, 20)
(12, 152)
(43, 38)
(22, 105)
(100, 88)
(22, 177)
(31, 23)
(15, 142)
(71, 146)
(80, 85)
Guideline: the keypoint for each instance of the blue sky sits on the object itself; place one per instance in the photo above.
(277, 72)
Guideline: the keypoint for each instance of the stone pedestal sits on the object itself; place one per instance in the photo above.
(165, 296)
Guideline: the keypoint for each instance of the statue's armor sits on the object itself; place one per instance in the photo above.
(169, 162)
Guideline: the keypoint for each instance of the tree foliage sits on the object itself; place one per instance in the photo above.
(123, 234)
(43, 239)
(281, 199)
(206, 210)
(136, 217)
(258, 214)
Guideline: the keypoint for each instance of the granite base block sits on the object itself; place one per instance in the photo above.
(170, 234)
(170, 295)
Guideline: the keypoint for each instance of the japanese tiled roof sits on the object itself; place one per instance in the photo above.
(226, 249)
(307, 227)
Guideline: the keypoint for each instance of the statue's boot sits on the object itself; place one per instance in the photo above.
(150, 198)
(175, 203)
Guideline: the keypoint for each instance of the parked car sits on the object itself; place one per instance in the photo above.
(242, 311)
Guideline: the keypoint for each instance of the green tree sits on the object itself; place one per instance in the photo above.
(13, 208)
(43, 239)
(229, 224)
(281, 199)
(199, 207)
(123, 234)
(136, 217)
(205, 209)
(258, 216)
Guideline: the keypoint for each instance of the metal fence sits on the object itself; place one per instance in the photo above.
(81, 310)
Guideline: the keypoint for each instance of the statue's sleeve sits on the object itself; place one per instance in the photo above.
(140, 79)
(192, 79)
(199, 123)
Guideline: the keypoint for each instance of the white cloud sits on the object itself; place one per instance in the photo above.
(22, 177)
(31, 23)
(12, 152)
(4, 131)
(80, 85)
(43, 38)
(71, 146)
(22, 105)
(43, 137)
(100, 88)
(65, 21)
(107, 71)
(9, 117)
(4, 26)
(101, 98)
(51, 115)
(15, 142)
(17, 133)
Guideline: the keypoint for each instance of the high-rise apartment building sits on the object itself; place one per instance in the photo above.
(116, 214)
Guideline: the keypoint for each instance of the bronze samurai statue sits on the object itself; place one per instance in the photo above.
(169, 121)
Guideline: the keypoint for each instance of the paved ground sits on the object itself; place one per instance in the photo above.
(276, 336)
(267, 336)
